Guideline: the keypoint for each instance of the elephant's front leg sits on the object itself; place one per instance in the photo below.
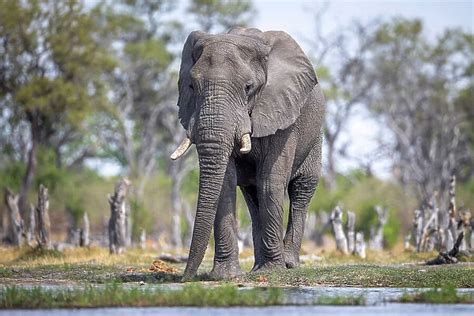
(226, 258)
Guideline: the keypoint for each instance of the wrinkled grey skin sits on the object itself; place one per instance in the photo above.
(248, 81)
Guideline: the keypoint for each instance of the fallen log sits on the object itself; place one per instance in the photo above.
(172, 258)
(448, 257)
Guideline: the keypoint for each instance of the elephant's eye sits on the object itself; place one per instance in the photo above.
(248, 88)
(191, 87)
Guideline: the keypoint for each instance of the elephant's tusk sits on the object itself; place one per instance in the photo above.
(245, 144)
(182, 148)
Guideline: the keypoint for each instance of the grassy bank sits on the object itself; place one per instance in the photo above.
(116, 295)
(95, 265)
(445, 295)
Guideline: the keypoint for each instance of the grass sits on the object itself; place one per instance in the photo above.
(370, 275)
(444, 295)
(95, 265)
(341, 300)
(116, 295)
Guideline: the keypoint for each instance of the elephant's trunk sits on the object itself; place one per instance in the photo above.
(211, 179)
(215, 137)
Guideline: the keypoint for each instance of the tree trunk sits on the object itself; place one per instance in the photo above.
(128, 226)
(430, 228)
(42, 216)
(471, 228)
(27, 180)
(117, 222)
(376, 233)
(336, 220)
(351, 231)
(85, 231)
(324, 223)
(359, 249)
(143, 239)
(406, 242)
(452, 230)
(30, 232)
(16, 222)
(418, 229)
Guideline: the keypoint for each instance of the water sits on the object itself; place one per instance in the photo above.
(377, 310)
(377, 299)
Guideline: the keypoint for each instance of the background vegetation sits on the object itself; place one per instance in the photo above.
(89, 85)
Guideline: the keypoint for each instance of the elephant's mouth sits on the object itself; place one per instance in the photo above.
(245, 146)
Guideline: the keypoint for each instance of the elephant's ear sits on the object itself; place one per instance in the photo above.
(186, 102)
(290, 78)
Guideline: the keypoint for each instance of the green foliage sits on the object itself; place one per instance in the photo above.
(220, 15)
(11, 174)
(360, 194)
(54, 55)
(369, 275)
(49, 174)
(341, 300)
(38, 252)
(118, 295)
(140, 218)
(443, 295)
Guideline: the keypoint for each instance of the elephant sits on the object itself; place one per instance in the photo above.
(251, 103)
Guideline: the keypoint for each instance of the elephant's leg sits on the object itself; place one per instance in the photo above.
(226, 257)
(300, 191)
(250, 196)
(271, 192)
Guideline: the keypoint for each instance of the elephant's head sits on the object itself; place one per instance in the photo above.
(233, 86)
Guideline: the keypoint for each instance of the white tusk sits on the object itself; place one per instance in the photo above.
(245, 144)
(182, 148)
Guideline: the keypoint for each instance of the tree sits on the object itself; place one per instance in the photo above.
(139, 84)
(341, 58)
(221, 15)
(50, 65)
(419, 93)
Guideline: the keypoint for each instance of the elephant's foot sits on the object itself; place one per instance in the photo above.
(188, 276)
(225, 270)
(292, 260)
(269, 266)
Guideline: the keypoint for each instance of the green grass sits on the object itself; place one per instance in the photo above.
(361, 275)
(39, 253)
(115, 295)
(444, 295)
(96, 265)
(341, 300)
(370, 275)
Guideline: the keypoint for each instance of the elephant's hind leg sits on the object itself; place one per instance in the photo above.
(250, 196)
(300, 191)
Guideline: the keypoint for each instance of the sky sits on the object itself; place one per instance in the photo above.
(296, 17)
